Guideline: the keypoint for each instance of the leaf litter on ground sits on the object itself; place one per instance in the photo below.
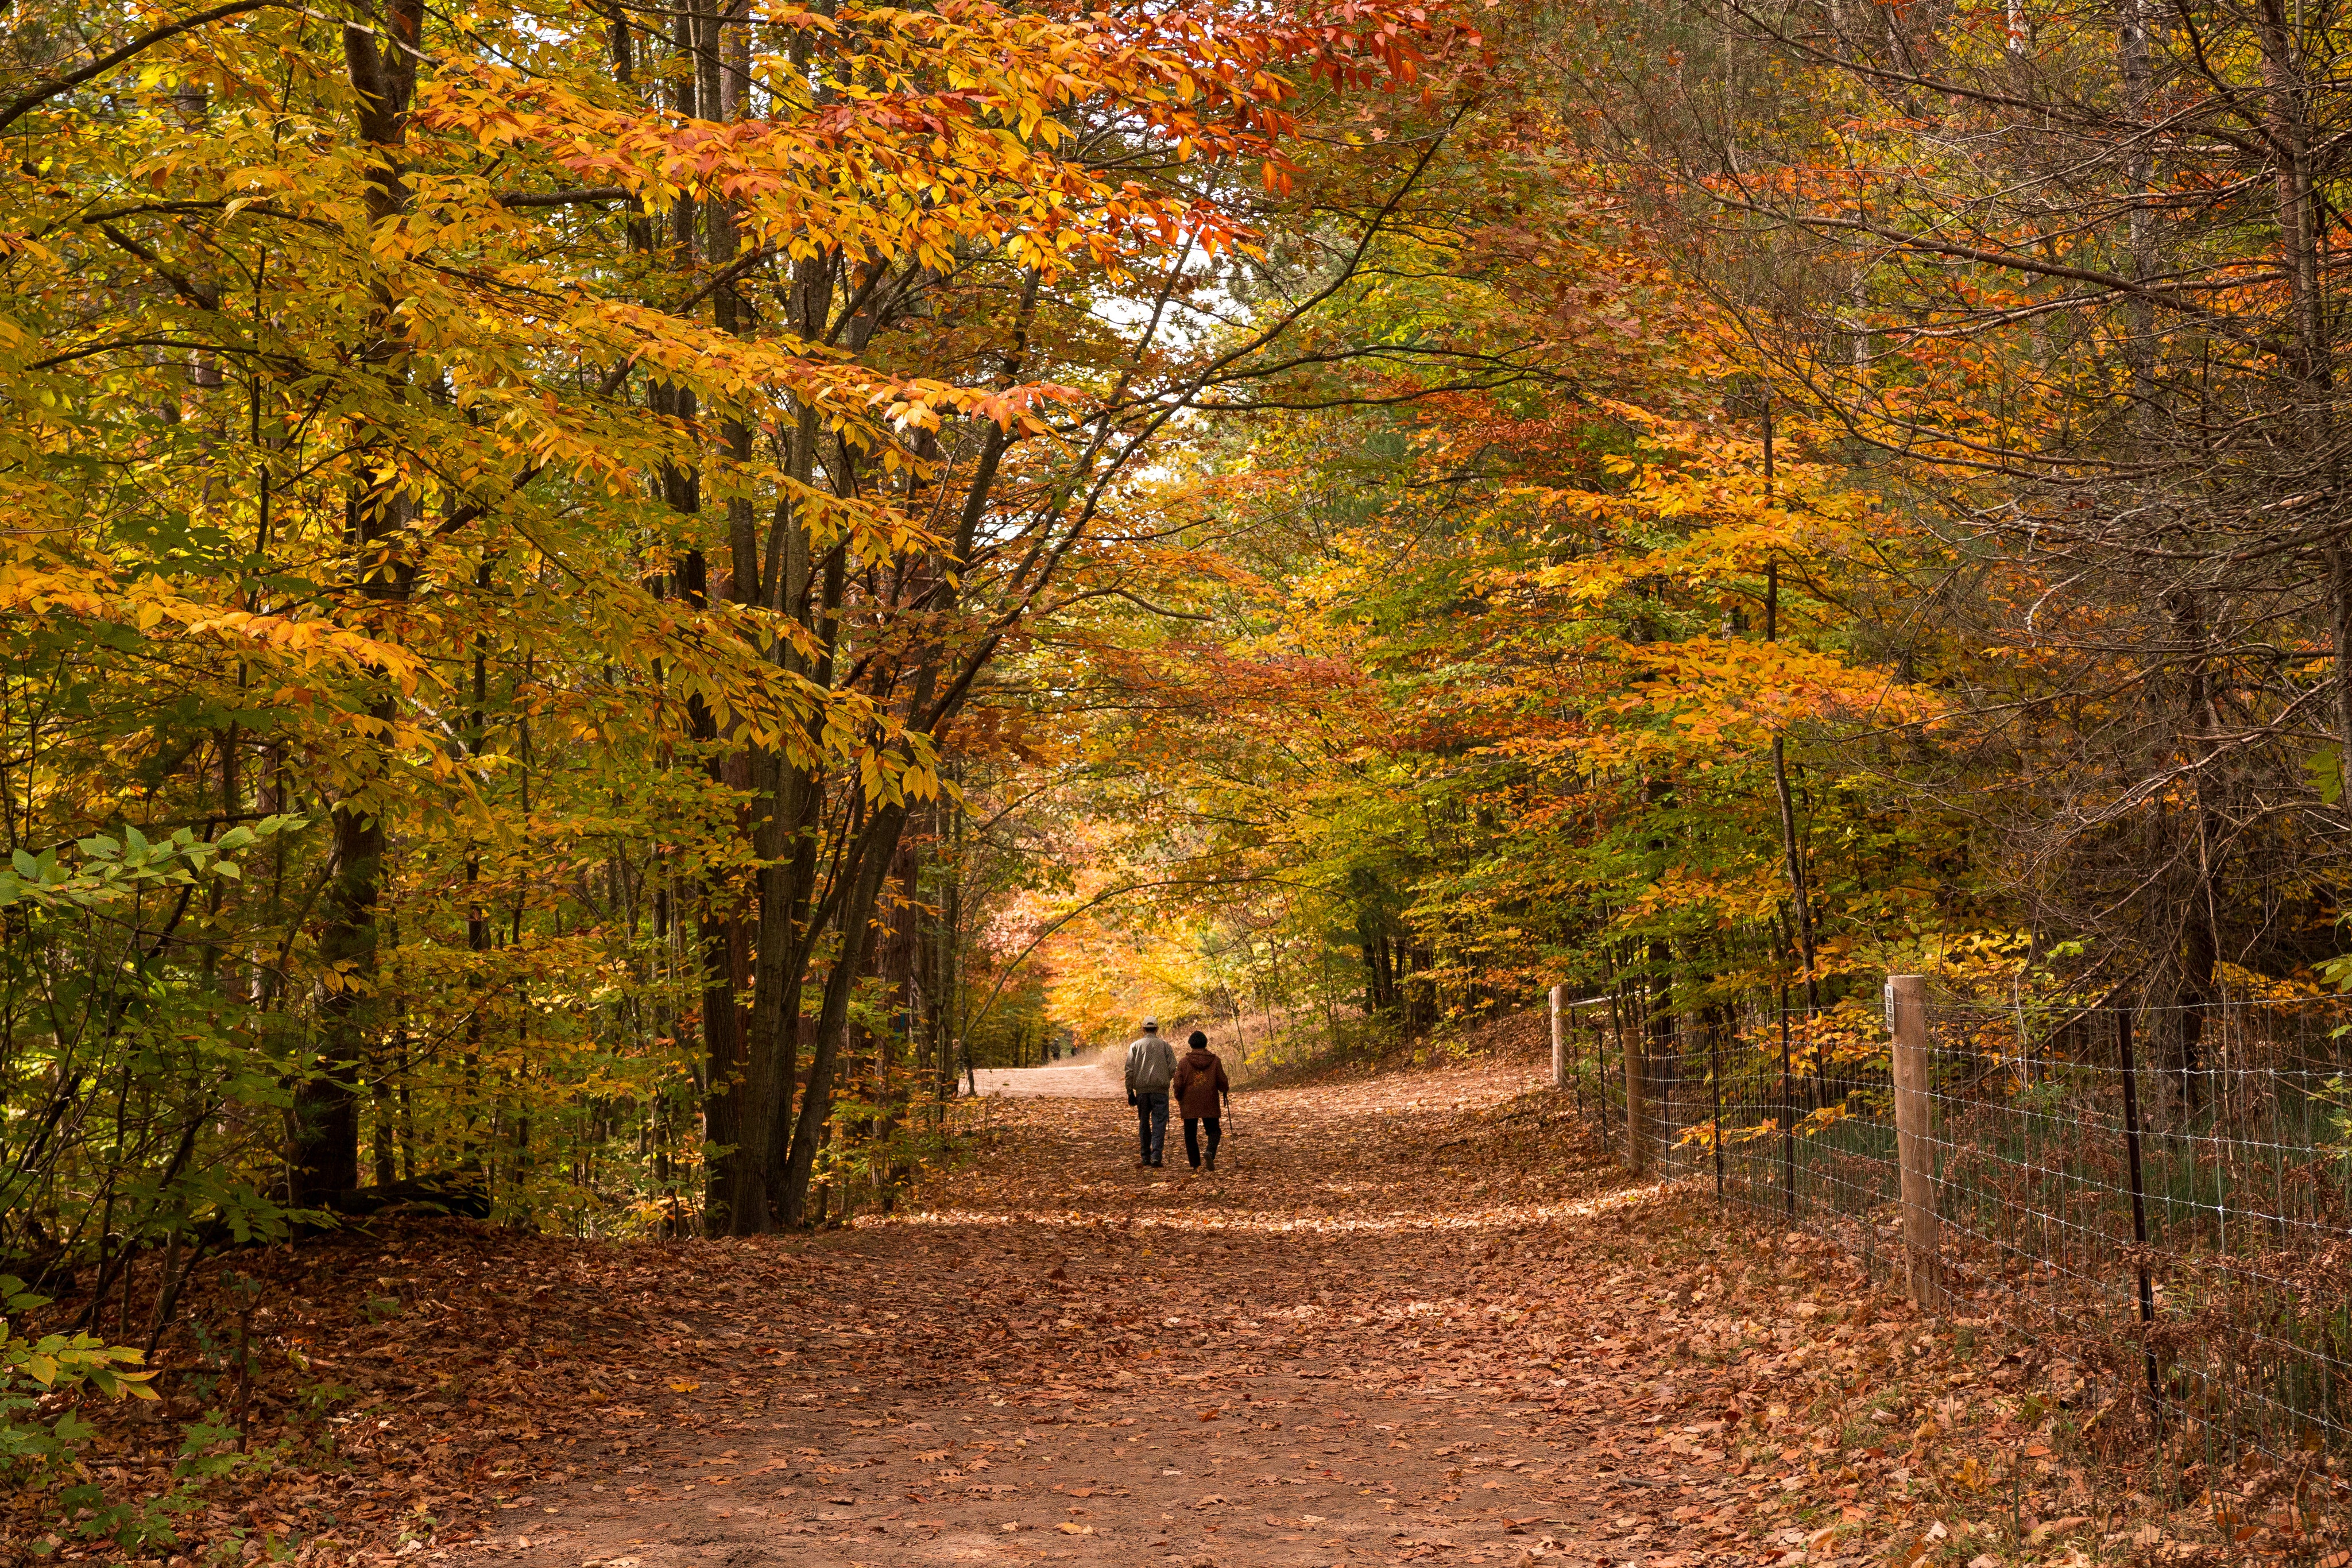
(1418, 1316)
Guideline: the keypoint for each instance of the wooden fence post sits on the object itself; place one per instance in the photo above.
(1637, 1094)
(1915, 1145)
(1559, 1041)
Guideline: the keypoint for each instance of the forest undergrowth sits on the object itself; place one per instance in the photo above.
(1418, 1317)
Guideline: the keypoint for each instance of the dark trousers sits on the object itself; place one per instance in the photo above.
(1192, 1137)
(1151, 1124)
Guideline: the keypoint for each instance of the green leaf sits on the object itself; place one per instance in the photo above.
(2325, 766)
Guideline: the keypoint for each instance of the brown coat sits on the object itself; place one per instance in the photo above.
(1200, 1083)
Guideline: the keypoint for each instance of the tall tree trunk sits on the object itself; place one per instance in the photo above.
(2302, 230)
(717, 948)
(2200, 948)
(478, 914)
(696, 230)
(2340, 627)
(874, 852)
(792, 798)
(324, 1155)
(949, 1003)
(325, 1158)
(1800, 904)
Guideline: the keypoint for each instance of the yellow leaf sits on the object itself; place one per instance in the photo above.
(684, 1388)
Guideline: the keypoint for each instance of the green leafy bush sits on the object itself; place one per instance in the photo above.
(44, 1435)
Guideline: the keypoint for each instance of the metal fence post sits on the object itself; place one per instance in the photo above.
(1559, 1041)
(1714, 1096)
(2140, 1202)
(1788, 1115)
(1637, 1090)
(1915, 1146)
(1576, 1064)
(1601, 1073)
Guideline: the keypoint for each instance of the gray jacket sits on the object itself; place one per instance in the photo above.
(1151, 1065)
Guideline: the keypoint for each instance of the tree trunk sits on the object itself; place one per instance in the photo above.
(873, 856)
(2301, 228)
(325, 1158)
(787, 846)
(325, 1152)
(2200, 948)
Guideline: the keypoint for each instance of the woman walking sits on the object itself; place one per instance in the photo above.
(1202, 1092)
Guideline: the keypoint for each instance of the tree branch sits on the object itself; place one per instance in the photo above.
(580, 197)
(105, 63)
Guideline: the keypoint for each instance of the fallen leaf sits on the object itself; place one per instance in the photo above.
(1527, 1341)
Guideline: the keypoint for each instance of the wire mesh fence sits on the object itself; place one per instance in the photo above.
(2163, 1195)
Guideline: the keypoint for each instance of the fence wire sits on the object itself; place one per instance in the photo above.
(2162, 1196)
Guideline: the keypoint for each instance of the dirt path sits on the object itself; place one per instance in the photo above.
(1337, 1349)
(1094, 1075)
(1415, 1319)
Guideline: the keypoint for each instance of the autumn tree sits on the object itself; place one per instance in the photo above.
(1469, 660)
(2058, 275)
(580, 464)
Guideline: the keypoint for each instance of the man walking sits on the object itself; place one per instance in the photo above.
(1202, 1092)
(1151, 1065)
